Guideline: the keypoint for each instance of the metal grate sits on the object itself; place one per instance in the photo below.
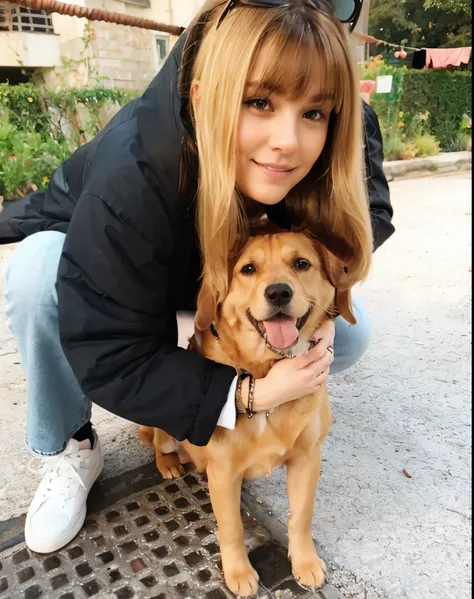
(17, 18)
(156, 544)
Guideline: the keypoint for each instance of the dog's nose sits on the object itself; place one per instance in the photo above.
(279, 293)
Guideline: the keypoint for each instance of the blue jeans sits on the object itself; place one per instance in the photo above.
(56, 406)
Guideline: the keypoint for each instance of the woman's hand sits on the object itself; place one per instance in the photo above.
(291, 379)
(325, 334)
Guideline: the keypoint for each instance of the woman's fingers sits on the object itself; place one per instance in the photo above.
(318, 352)
(322, 360)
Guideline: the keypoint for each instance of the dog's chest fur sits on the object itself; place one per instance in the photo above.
(260, 444)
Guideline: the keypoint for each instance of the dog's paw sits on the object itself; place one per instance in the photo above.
(169, 466)
(310, 573)
(243, 582)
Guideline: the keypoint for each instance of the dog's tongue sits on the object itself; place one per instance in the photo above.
(281, 331)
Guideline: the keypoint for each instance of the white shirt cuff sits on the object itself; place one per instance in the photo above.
(228, 416)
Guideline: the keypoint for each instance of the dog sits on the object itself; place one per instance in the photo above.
(283, 287)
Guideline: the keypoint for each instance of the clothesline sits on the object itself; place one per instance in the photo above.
(370, 39)
(438, 57)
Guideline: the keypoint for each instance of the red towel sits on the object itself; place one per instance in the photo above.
(367, 86)
(441, 58)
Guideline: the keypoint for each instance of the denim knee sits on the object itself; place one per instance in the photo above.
(30, 276)
(351, 341)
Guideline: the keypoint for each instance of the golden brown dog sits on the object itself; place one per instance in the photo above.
(283, 287)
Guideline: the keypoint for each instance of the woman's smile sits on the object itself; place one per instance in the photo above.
(274, 171)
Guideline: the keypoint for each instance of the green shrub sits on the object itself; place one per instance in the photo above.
(393, 147)
(426, 145)
(387, 106)
(33, 140)
(24, 106)
(421, 101)
(444, 95)
(27, 159)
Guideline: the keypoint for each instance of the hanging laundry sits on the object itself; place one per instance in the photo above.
(419, 59)
(442, 58)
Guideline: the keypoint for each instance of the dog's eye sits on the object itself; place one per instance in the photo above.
(248, 269)
(301, 264)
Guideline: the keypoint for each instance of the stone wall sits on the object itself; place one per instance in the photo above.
(124, 56)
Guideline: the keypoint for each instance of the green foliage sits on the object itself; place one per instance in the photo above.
(387, 106)
(27, 159)
(432, 24)
(426, 110)
(39, 129)
(24, 106)
(444, 95)
(465, 127)
(426, 145)
(451, 6)
(393, 147)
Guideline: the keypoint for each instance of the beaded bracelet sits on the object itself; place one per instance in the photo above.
(241, 409)
(250, 411)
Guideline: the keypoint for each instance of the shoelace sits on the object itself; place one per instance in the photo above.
(61, 469)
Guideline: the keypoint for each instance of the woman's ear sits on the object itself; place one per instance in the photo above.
(206, 307)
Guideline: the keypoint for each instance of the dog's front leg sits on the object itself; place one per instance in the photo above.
(302, 480)
(225, 488)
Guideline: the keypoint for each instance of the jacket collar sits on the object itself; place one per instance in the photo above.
(159, 123)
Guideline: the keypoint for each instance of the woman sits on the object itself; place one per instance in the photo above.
(266, 118)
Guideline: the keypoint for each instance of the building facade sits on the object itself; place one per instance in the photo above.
(77, 52)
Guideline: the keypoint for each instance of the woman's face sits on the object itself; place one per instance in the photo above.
(279, 139)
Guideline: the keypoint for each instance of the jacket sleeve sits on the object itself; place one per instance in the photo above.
(38, 211)
(118, 329)
(381, 209)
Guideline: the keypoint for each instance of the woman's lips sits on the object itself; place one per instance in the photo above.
(274, 171)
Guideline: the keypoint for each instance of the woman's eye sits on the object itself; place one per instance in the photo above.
(314, 115)
(301, 264)
(248, 269)
(258, 103)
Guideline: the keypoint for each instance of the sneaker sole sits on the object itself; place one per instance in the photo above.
(49, 546)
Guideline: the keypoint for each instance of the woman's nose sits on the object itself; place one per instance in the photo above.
(284, 134)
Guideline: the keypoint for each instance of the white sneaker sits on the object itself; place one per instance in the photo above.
(58, 509)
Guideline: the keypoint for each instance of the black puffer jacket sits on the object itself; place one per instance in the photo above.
(130, 261)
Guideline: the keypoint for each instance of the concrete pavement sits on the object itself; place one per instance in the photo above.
(406, 406)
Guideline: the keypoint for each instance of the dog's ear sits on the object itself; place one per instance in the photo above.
(206, 307)
(338, 275)
(343, 303)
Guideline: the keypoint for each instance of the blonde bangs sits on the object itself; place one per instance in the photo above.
(295, 58)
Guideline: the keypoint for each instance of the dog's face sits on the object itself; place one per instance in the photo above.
(283, 287)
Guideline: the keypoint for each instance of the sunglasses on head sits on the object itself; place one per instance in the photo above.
(347, 11)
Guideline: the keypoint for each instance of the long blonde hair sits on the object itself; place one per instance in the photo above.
(331, 201)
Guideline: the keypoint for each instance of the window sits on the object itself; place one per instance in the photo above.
(143, 3)
(162, 49)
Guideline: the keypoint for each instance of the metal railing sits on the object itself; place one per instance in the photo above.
(94, 14)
